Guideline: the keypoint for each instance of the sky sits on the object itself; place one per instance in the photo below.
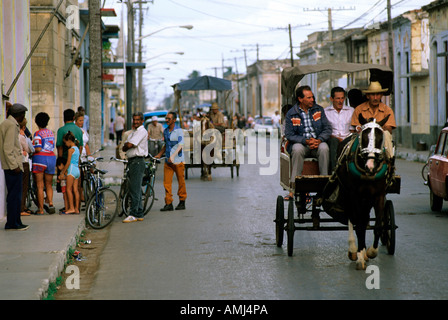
(224, 29)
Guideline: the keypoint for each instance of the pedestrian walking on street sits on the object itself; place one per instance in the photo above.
(174, 163)
(11, 158)
(136, 148)
(119, 126)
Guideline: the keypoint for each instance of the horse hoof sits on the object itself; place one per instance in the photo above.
(209, 178)
(372, 252)
(361, 265)
(352, 256)
(361, 262)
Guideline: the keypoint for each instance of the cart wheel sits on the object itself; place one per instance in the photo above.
(388, 237)
(290, 227)
(279, 221)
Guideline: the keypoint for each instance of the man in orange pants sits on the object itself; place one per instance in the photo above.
(174, 163)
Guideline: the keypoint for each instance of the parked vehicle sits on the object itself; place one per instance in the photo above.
(264, 124)
(161, 114)
(438, 172)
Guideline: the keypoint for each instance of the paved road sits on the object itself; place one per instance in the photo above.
(223, 247)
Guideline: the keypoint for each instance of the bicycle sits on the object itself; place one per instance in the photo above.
(87, 182)
(148, 195)
(102, 206)
(31, 196)
(124, 183)
(425, 169)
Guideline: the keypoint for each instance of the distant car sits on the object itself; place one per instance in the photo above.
(264, 124)
(438, 172)
(161, 114)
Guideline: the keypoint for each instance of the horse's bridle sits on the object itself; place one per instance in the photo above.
(371, 149)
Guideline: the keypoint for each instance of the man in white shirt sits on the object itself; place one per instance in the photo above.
(119, 126)
(276, 119)
(339, 115)
(136, 148)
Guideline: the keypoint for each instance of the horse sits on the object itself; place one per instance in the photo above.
(362, 176)
(206, 169)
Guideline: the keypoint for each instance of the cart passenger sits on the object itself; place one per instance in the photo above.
(217, 118)
(307, 130)
(340, 116)
(374, 108)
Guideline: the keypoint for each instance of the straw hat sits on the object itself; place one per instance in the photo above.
(374, 87)
(214, 106)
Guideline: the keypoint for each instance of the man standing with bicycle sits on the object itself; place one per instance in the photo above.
(136, 148)
(174, 163)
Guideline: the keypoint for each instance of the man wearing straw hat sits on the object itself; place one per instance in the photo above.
(374, 108)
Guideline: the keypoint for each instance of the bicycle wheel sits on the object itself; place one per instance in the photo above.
(102, 208)
(121, 197)
(88, 187)
(125, 204)
(148, 199)
(425, 171)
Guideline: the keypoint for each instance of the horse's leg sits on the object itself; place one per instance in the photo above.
(361, 254)
(372, 252)
(209, 172)
(352, 249)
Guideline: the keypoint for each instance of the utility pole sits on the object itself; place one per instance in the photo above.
(258, 89)
(290, 45)
(330, 33)
(391, 47)
(290, 41)
(95, 74)
(140, 71)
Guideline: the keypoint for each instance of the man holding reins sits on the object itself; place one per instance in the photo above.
(374, 108)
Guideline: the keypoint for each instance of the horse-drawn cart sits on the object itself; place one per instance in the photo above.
(222, 154)
(316, 197)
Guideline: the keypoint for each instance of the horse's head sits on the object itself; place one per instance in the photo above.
(371, 143)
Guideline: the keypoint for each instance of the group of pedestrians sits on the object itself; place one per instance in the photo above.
(135, 145)
(42, 155)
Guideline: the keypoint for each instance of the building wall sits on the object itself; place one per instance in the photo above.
(52, 92)
(438, 65)
(14, 49)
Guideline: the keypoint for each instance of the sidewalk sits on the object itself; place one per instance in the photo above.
(31, 259)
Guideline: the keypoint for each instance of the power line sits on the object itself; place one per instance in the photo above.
(217, 17)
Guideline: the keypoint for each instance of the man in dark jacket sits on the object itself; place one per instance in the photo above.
(307, 130)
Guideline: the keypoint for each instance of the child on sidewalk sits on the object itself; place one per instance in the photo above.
(71, 169)
(60, 164)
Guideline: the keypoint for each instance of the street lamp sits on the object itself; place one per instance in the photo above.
(140, 72)
(179, 53)
(172, 62)
(188, 27)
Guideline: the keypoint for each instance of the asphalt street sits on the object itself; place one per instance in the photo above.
(222, 247)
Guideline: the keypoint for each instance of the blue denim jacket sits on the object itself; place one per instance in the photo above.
(294, 126)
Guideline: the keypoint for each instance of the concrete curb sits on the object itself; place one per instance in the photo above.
(412, 156)
(58, 265)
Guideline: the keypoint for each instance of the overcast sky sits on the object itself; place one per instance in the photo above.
(222, 29)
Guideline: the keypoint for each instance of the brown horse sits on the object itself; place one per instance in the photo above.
(206, 169)
(363, 175)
